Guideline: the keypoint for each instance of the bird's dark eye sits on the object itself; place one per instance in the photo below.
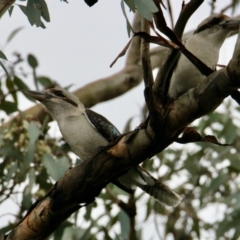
(59, 93)
(216, 21)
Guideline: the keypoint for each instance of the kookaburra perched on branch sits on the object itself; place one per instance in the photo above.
(205, 44)
(87, 131)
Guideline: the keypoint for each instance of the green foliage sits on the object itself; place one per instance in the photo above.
(125, 224)
(34, 10)
(4, 68)
(32, 61)
(51, 164)
(146, 8)
(2, 55)
(13, 33)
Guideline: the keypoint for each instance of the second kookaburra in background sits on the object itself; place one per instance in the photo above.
(205, 44)
(86, 132)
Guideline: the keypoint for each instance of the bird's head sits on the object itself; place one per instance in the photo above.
(59, 102)
(217, 26)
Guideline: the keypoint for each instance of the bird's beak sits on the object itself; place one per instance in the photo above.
(231, 24)
(40, 96)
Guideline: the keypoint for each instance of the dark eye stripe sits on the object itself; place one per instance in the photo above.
(207, 25)
(214, 21)
(59, 93)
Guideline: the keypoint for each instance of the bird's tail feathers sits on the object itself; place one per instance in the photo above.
(137, 176)
(159, 190)
(162, 193)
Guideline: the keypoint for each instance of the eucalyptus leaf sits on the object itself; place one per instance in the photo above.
(33, 134)
(214, 184)
(106, 236)
(9, 84)
(32, 178)
(150, 5)
(230, 223)
(10, 10)
(44, 11)
(124, 223)
(23, 170)
(8, 107)
(4, 68)
(27, 198)
(131, 5)
(8, 150)
(11, 88)
(55, 167)
(11, 171)
(74, 233)
(33, 12)
(89, 208)
(234, 160)
(86, 233)
(196, 227)
(32, 61)
(23, 9)
(2, 55)
(20, 84)
(59, 231)
(44, 81)
(233, 200)
(129, 27)
(13, 34)
(144, 11)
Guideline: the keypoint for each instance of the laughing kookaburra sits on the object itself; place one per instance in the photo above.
(205, 44)
(87, 131)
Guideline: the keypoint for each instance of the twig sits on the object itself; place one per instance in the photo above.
(162, 80)
(147, 68)
(226, 8)
(212, 4)
(170, 13)
(156, 227)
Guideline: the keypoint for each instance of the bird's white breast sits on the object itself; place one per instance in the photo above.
(82, 137)
(186, 75)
